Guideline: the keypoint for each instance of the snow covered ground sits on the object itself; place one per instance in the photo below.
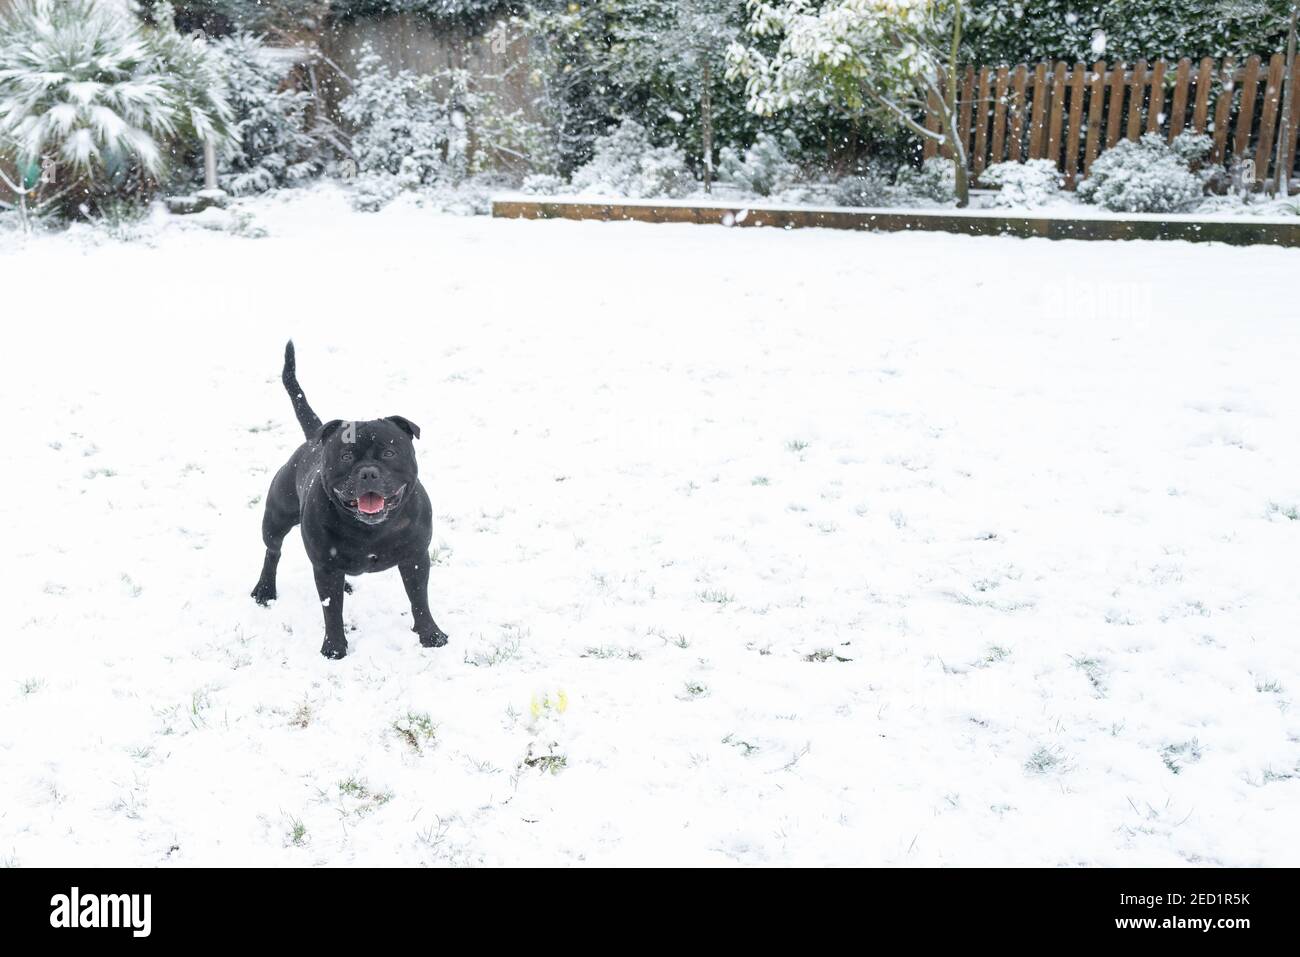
(754, 547)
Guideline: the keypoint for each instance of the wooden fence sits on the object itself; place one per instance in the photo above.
(1069, 114)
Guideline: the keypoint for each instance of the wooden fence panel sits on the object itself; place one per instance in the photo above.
(930, 148)
(1016, 130)
(1114, 105)
(1036, 117)
(1222, 107)
(1096, 91)
(1204, 80)
(1073, 132)
(982, 111)
(967, 91)
(945, 148)
(999, 116)
(1178, 112)
(1246, 111)
(1156, 108)
(1295, 118)
(1055, 112)
(1268, 118)
(1136, 94)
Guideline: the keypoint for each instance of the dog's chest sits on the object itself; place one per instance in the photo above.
(356, 553)
(358, 561)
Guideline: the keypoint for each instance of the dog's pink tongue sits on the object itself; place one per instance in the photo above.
(370, 503)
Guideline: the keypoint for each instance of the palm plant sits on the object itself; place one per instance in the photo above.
(98, 101)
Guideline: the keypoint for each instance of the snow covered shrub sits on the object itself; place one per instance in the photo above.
(765, 168)
(274, 140)
(371, 192)
(1147, 176)
(1023, 185)
(542, 183)
(868, 188)
(664, 173)
(403, 127)
(1250, 204)
(1192, 147)
(99, 102)
(429, 130)
(615, 164)
(624, 163)
(934, 182)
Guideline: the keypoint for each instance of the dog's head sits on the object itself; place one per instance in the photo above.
(369, 467)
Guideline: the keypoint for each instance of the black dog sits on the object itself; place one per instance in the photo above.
(353, 488)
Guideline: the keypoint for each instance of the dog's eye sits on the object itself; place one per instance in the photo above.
(389, 453)
(345, 456)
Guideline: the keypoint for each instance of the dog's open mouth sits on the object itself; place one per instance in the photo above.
(372, 505)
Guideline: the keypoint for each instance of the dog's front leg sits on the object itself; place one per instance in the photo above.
(329, 585)
(415, 576)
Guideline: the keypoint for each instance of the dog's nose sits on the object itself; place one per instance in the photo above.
(368, 474)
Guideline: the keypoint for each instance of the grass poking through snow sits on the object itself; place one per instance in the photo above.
(417, 730)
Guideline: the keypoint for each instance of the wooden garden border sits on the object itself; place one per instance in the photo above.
(1241, 231)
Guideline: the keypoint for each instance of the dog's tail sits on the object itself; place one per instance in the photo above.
(307, 418)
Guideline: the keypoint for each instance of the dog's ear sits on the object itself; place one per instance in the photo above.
(405, 424)
(328, 429)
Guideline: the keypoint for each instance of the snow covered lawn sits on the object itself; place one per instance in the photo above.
(753, 546)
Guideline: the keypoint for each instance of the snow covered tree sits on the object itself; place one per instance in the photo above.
(576, 94)
(100, 103)
(276, 137)
(600, 62)
(432, 129)
(894, 59)
(659, 62)
(679, 48)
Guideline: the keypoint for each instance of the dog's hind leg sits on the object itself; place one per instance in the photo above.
(274, 527)
(280, 516)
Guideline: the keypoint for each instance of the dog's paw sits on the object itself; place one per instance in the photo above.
(434, 639)
(263, 594)
(334, 650)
